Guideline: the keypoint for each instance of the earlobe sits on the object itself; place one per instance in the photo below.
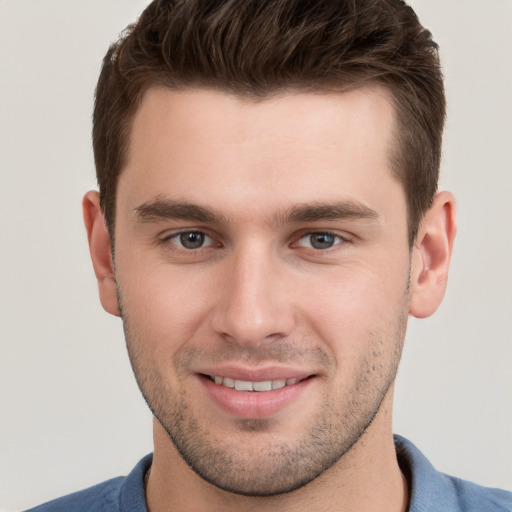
(431, 256)
(101, 253)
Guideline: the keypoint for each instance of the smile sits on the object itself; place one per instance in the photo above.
(245, 385)
(257, 394)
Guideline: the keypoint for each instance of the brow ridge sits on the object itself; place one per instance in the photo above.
(319, 211)
(168, 209)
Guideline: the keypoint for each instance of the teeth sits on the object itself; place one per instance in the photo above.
(278, 384)
(244, 385)
(229, 383)
(266, 385)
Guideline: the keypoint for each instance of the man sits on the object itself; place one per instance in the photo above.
(266, 222)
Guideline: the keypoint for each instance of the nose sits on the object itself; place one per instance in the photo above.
(253, 306)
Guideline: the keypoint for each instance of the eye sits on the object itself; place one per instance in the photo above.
(320, 240)
(191, 239)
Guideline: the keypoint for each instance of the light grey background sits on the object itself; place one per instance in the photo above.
(70, 412)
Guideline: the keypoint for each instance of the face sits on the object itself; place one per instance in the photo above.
(262, 268)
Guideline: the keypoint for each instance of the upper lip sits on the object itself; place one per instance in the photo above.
(256, 374)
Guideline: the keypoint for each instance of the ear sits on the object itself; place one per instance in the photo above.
(431, 256)
(101, 252)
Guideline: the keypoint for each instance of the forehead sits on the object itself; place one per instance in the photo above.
(202, 145)
(211, 116)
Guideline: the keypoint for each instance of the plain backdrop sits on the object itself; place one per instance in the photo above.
(70, 412)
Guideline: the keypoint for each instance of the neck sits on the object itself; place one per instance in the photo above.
(365, 478)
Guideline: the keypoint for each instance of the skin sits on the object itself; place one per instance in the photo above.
(263, 182)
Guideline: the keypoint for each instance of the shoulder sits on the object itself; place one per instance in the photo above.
(432, 491)
(476, 498)
(119, 494)
(101, 497)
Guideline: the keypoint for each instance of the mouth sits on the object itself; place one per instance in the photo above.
(256, 398)
(259, 386)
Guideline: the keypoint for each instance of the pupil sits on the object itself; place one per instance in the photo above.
(192, 240)
(322, 240)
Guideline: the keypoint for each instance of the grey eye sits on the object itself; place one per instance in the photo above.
(192, 239)
(320, 241)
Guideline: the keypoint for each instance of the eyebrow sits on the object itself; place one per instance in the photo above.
(319, 211)
(167, 209)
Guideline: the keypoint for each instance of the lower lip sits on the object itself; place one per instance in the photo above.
(254, 404)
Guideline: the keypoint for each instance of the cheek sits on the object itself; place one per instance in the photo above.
(164, 306)
(356, 304)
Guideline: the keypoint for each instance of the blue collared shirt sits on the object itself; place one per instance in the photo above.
(431, 491)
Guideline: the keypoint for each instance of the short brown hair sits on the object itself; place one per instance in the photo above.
(257, 48)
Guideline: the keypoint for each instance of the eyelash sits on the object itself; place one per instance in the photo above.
(175, 236)
(340, 240)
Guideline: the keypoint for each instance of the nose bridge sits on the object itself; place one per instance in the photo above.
(252, 306)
